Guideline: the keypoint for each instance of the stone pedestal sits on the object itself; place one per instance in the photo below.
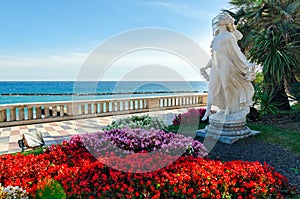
(227, 129)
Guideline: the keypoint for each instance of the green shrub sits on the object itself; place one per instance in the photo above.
(295, 90)
(50, 188)
(264, 99)
(144, 122)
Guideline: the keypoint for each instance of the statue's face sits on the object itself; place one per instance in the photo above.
(225, 20)
(230, 27)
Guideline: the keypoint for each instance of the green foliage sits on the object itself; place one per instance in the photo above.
(144, 121)
(278, 57)
(271, 40)
(36, 151)
(50, 188)
(259, 78)
(263, 99)
(296, 107)
(295, 90)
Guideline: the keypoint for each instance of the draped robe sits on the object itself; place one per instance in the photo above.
(229, 68)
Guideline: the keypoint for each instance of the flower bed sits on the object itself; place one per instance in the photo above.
(82, 176)
(187, 123)
(192, 117)
(128, 141)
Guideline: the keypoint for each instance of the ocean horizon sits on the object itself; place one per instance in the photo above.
(48, 91)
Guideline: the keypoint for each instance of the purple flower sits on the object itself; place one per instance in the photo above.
(137, 140)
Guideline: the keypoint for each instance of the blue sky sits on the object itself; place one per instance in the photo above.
(50, 39)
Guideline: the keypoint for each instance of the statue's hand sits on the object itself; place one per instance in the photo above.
(207, 113)
(251, 74)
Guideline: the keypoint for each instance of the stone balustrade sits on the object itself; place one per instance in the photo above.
(31, 113)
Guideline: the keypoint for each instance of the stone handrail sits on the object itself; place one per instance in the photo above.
(31, 113)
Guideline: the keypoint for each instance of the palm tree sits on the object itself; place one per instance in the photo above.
(271, 39)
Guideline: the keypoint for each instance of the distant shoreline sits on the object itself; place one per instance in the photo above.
(91, 94)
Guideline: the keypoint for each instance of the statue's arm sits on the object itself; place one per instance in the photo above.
(209, 64)
(237, 52)
(203, 70)
(247, 68)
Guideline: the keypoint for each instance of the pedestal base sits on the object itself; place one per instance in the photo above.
(224, 139)
(226, 129)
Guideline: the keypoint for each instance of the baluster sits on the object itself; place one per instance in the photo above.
(62, 110)
(21, 114)
(3, 117)
(12, 114)
(89, 108)
(46, 112)
(30, 113)
(116, 106)
(83, 109)
(95, 108)
(54, 111)
(101, 107)
(38, 112)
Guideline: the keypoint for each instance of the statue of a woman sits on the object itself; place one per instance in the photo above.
(230, 87)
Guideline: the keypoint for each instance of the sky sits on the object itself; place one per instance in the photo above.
(52, 39)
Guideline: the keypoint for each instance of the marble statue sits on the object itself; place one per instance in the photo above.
(230, 87)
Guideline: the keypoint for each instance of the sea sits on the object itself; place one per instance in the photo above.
(48, 91)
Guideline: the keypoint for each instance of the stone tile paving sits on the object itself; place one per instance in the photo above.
(56, 132)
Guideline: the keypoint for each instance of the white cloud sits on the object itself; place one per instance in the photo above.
(55, 67)
(142, 64)
(153, 65)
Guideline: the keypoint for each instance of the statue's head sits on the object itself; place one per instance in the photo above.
(224, 19)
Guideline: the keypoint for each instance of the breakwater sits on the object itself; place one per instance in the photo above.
(92, 94)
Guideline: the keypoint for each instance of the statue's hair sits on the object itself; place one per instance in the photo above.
(223, 19)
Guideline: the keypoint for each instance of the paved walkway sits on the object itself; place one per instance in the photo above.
(56, 132)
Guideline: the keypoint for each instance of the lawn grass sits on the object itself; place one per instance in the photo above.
(287, 135)
(288, 138)
(189, 130)
(32, 151)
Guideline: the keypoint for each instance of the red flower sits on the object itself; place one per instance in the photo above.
(175, 190)
(83, 176)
